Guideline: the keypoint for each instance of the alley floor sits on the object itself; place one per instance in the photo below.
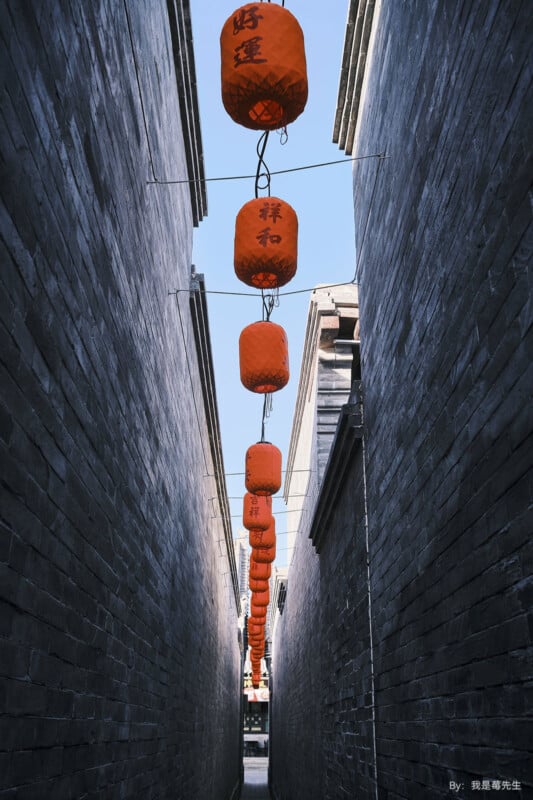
(255, 785)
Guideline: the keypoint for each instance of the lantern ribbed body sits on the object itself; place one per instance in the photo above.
(259, 540)
(266, 243)
(253, 620)
(266, 555)
(255, 630)
(257, 585)
(261, 598)
(264, 357)
(257, 512)
(259, 572)
(263, 68)
(263, 469)
(258, 612)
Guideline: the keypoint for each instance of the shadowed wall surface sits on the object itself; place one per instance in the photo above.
(120, 662)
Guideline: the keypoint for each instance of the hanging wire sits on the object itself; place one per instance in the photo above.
(273, 172)
(278, 171)
(267, 411)
(262, 169)
(270, 301)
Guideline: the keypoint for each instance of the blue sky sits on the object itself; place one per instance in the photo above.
(322, 199)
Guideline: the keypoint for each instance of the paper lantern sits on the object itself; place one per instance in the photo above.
(263, 469)
(255, 628)
(259, 572)
(263, 357)
(266, 555)
(266, 243)
(259, 540)
(257, 585)
(261, 598)
(257, 511)
(258, 613)
(263, 68)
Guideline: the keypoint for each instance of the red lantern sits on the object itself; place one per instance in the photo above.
(261, 598)
(257, 511)
(264, 357)
(259, 540)
(258, 613)
(255, 629)
(266, 555)
(257, 585)
(266, 243)
(263, 469)
(264, 75)
(259, 572)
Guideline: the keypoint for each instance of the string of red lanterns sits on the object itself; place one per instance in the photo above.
(264, 87)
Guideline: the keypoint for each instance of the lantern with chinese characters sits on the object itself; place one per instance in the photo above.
(266, 243)
(264, 74)
(261, 540)
(257, 511)
(263, 357)
(266, 555)
(259, 572)
(261, 598)
(263, 469)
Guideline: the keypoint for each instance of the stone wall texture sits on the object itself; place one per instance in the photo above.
(119, 663)
(443, 234)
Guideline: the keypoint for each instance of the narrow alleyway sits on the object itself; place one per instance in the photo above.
(255, 785)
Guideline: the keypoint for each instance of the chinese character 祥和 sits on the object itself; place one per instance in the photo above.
(248, 52)
(246, 18)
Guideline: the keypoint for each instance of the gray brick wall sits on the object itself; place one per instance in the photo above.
(443, 233)
(120, 663)
(445, 288)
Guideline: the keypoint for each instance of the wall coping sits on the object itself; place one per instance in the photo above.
(179, 15)
(356, 43)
